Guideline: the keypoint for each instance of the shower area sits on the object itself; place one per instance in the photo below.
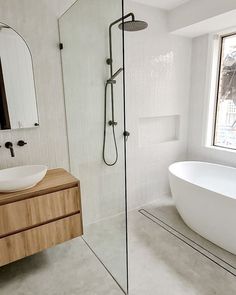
(92, 50)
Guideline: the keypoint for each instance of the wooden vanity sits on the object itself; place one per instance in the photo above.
(41, 217)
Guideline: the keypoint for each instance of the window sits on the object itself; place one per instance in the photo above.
(225, 119)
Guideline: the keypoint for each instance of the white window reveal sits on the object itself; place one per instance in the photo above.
(225, 115)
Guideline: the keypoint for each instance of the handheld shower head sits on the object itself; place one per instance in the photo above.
(131, 26)
(116, 74)
(112, 79)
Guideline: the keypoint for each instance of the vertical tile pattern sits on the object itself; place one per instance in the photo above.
(158, 70)
(84, 31)
(156, 130)
(36, 21)
(85, 74)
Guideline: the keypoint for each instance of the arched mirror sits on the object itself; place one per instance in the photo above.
(18, 105)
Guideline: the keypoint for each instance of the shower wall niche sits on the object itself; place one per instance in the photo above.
(84, 32)
(156, 130)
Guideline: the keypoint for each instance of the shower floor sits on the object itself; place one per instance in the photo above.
(167, 217)
(160, 263)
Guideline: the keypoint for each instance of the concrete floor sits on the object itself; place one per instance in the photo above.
(107, 238)
(165, 214)
(160, 264)
(68, 269)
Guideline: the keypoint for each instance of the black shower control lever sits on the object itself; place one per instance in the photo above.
(21, 143)
(109, 61)
(126, 135)
(112, 123)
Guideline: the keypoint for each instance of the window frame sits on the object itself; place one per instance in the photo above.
(216, 52)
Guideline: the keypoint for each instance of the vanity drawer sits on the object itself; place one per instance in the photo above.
(35, 211)
(26, 243)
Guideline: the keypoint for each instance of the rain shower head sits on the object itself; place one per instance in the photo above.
(133, 25)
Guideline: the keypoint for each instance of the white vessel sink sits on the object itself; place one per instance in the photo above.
(21, 178)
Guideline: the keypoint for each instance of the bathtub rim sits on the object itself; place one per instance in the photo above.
(170, 170)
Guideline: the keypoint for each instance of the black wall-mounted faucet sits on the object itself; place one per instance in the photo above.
(9, 145)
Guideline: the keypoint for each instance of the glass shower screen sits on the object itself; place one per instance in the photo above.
(95, 110)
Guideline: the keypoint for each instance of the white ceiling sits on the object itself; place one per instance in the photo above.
(164, 4)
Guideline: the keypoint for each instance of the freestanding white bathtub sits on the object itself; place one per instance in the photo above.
(205, 196)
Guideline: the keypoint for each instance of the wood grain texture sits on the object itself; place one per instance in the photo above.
(32, 241)
(41, 217)
(80, 206)
(55, 180)
(32, 212)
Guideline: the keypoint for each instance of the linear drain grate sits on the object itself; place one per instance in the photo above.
(190, 242)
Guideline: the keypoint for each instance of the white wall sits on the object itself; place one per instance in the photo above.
(198, 107)
(84, 32)
(197, 11)
(36, 21)
(158, 80)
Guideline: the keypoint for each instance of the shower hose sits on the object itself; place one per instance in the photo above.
(112, 124)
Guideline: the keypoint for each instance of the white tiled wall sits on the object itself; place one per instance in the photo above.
(84, 31)
(158, 80)
(158, 70)
(36, 21)
(157, 130)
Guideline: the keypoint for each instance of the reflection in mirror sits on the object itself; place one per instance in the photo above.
(18, 106)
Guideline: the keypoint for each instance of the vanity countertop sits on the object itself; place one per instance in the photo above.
(55, 180)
